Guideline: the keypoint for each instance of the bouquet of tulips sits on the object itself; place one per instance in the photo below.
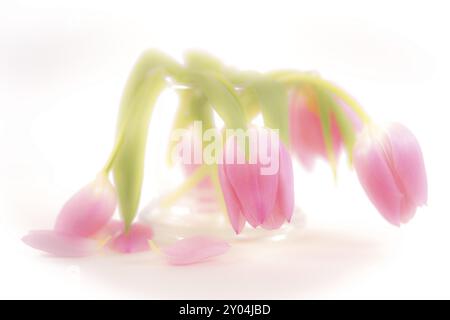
(249, 165)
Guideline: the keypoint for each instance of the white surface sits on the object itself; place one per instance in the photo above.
(62, 69)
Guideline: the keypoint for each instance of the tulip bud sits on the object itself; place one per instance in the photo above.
(306, 132)
(89, 210)
(305, 127)
(265, 200)
(390, 167)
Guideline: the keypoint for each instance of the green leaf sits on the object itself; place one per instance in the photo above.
(148, 61)
(221, 96)
(325, 120)
(271, 97)
(344, 124)
(250, 104)
(202, 61)
(144, 84)
(128, 167)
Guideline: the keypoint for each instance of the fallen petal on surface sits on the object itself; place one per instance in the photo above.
(61, 245)
(194, 250)
(135, 240)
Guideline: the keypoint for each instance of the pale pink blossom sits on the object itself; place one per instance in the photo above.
(81, 219)
(256, 198)
(89, 210)
(305, 128)
(391, 169)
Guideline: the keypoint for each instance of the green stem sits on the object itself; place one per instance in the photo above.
(115, 151)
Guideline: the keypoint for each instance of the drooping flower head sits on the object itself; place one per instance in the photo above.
(252, 195)
(306, 129)
(83, 216)
(391, 169)
(89, 210)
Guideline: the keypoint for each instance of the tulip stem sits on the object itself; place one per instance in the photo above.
(187, 185)
(154, 246)
(113, 155)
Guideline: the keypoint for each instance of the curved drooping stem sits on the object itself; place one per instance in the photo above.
(144, 85)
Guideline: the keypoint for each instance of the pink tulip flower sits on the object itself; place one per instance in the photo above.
(89, 210)
(305, 128)
(262, 200)
(83, 216)
(390, 167)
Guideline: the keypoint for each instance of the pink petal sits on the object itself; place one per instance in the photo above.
(195, 249)
(311, 143)
(275, 220)
(237, 220)
(60, 245)
(244, 180)
(285, 195)
(295, 137)
(89, 210)
(408, 163)
(112, 229)
(135, 240)
(376, 177)
(256, 193)
(304, 128)
(306, 133)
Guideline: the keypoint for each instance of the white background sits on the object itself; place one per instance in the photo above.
(62, 69)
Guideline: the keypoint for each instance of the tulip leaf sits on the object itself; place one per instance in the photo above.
(128, 167)
(325, 120)
(272, 99)
(250, 104)
(144, 84)
(221, 96)
(148, 61)
(345, 125)
(202, 61)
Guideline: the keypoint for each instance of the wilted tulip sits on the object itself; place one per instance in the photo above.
(305, 128)
(89, 210)
(265, 200)
(84, 216)
(390, 167)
